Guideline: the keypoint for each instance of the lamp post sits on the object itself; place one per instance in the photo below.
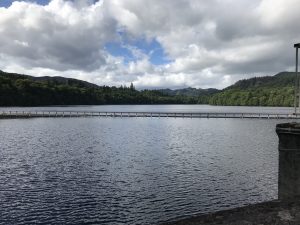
(297, 86)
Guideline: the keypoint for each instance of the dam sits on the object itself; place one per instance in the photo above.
(54, 113)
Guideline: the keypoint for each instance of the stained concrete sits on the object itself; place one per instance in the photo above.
(289, 160)
(268, 213)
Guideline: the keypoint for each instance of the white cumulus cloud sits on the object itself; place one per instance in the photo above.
(208, 43)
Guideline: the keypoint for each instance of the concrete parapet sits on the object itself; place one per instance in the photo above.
(289, 160)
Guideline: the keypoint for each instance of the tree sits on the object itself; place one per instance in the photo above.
(132, 88)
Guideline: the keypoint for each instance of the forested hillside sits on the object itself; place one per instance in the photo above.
(275, 90)
(23, 90)
(192, 92)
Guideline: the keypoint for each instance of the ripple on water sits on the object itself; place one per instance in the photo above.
(132, 171)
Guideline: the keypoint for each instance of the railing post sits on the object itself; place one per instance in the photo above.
(289, 160)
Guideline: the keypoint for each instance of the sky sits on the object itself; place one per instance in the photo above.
(153, 44)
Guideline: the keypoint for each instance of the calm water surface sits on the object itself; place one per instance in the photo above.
(133, 170)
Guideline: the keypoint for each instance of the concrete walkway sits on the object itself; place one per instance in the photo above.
(35, 114)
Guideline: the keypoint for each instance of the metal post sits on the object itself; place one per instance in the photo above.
(297, 80)
(298, 77)
(296, 85)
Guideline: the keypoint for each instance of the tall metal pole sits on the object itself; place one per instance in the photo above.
(296, 83)
(297, 76)
(297, 80)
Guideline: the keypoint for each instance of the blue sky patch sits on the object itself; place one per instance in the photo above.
(154, 50)
(125, 49)
(7, 3)
(117, 50)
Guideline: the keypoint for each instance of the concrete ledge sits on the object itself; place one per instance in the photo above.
(267, 213)
(34, 114)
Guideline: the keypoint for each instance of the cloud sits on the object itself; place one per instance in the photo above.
(60, 36)
(207, 43)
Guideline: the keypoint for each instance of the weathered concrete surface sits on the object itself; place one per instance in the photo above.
(267, 213)
(289, 160)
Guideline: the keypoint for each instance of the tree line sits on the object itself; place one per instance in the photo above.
(22, 90)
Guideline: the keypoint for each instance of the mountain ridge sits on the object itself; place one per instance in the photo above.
(24, 90)
(189, 91)
(54, 79)
(277, 90)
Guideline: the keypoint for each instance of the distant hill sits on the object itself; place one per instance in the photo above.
(24, 90)
(192, 92)
(283, 79)
(275, 90)
(50, 80)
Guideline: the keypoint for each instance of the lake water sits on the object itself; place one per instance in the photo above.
(134, 170)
